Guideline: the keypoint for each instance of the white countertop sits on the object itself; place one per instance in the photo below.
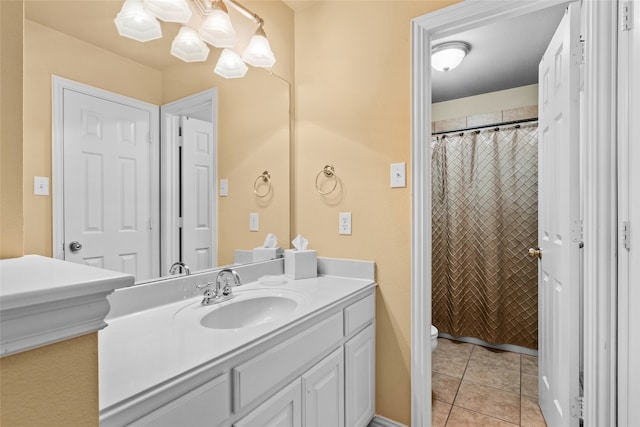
(45, 300)
(139, 351)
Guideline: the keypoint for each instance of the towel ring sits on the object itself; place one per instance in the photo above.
(263, 178)
(329, 172)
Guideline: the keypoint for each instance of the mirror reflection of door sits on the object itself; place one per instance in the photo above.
(108, 211)
(198, 237)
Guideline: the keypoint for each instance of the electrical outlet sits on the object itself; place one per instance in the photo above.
(398, 175)
(224, 187)
(344, 225)
(253, 221)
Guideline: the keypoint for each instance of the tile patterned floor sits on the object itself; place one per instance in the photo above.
(478, 386)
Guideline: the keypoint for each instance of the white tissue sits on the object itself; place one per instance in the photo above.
(300, 243)
(271, 241)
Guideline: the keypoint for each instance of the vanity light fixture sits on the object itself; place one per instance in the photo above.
(188, 46)
(137, 20)
(447, 56)
(169, 10)
(230, 65)
(217, 29)
(258, 53)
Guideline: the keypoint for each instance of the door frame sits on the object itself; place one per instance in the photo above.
(59, 85)
(629, 211)
(169, 120)
(597, 132)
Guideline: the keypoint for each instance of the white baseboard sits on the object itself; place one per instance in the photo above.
(379, 421)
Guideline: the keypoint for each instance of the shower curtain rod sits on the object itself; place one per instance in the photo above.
(513, 122)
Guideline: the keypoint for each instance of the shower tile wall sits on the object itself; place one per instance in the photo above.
(477, 386)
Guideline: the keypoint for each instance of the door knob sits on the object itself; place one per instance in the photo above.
(75, 246)
(533, 253)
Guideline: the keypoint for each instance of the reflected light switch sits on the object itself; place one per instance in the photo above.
(40, 186)
(224, 187)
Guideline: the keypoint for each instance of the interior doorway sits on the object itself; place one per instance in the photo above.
(440, 24)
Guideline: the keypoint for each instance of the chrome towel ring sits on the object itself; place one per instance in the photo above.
(330, 174)
(264, 179)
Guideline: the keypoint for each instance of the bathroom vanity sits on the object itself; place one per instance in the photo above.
(280, 353)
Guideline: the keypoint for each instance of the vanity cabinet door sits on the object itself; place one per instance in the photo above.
(323, 392)
(360, 378)
(284, 409)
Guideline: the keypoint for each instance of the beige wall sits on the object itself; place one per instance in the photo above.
(11, 41)
(353, 101)
(55, 385)
(47, 53)
(518, 97)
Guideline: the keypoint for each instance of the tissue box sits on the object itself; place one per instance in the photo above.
(265, 254)
(300, 264)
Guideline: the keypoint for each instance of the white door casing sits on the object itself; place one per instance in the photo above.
(199, 193)
(109, 201)
(559, 222)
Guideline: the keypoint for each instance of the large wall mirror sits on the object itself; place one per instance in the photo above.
(78, 41)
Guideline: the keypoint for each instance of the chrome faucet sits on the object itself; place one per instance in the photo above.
(179, 266)
(221, 292)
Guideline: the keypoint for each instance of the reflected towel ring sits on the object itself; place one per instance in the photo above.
(262, 179)
(329, 172)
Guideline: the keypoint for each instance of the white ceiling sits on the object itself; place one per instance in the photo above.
(503, 55)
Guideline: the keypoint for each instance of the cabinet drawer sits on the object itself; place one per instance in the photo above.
(282, 410)
(209, 404)
(257, 376)
(359, 314)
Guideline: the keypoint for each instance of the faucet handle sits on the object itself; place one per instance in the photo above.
(206, 285)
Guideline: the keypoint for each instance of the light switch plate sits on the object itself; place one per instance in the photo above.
(398, 175)
(224, 187)
(253, 221)
(344, 225)
(40, 186)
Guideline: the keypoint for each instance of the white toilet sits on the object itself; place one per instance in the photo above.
(434, 337)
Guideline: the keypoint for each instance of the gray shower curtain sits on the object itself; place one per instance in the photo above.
(485, 217)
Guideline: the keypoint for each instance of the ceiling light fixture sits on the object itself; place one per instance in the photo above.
(447, 56)
(138, 20)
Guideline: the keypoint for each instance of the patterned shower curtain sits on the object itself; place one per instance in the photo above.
(485, 217)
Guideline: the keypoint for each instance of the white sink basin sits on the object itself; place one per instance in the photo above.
(249, 311)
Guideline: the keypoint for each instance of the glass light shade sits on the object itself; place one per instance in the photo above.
(448, 56)
(217, 29)
(230, 65)
(258, 53)
(188, 46)
(169, 10)
(136, 23)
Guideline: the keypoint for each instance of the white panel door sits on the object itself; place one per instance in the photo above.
(360, 364)
(198, 193)
(559, 226)
(107, 185)
(323, 392)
